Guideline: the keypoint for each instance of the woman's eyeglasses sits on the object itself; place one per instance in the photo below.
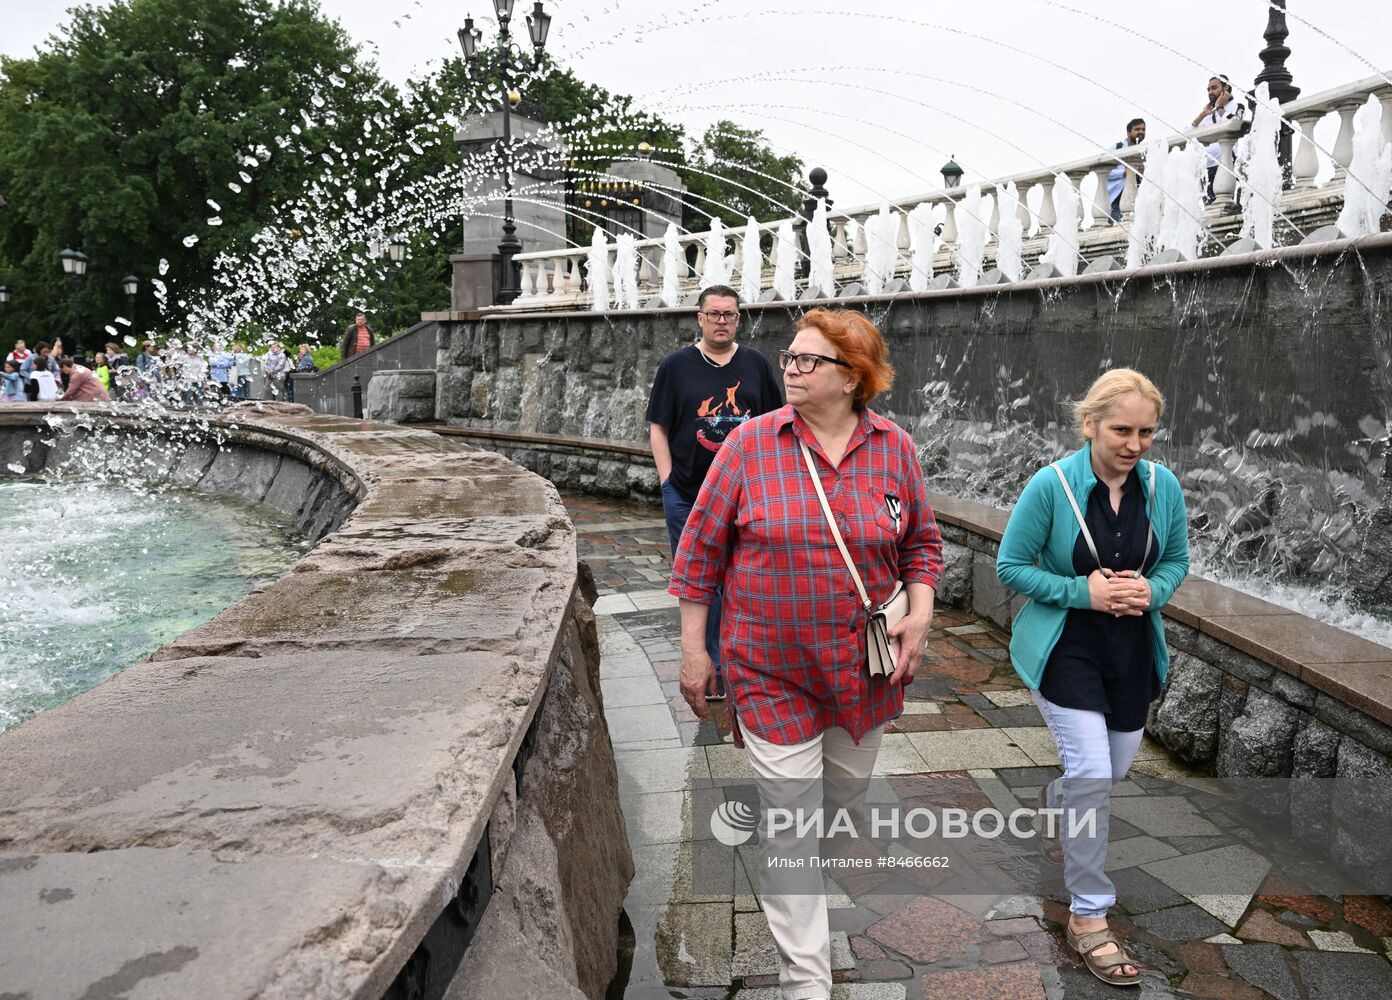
(806, 363)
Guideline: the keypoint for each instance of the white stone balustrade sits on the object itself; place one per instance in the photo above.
(555, 278)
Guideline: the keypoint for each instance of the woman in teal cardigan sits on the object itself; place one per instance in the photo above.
(1098, 542)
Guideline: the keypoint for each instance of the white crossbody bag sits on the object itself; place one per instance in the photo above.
(1082, 522)
(880, 650)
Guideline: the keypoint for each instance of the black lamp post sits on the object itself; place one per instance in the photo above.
(130, 284)
(817, 192)
(396, 253)
(75, 267)
(1280, 85)
(951, 173)
(510, 59)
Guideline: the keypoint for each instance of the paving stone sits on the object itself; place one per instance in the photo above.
(655, 818)
(1371, 914)
(1163, 816)
(1010, 698)
(1262, 926)
(1140, 892)
(755, 954)
(1017, 981)
(864, 948)
(898, 756)
(644, 722)
(1314, 907)
(884, 970)
(628, 692)
(1336, 941)
(1136, 851)
(660, 770)
(1265, 967)
(693, 944)
(926, 930)
(1180, 923)
(922, 707)
(1200, 956)
(1012, 926)
(1345, 977)
(839, 991)
(1218, 987)
(985, 748)
(1027, 777)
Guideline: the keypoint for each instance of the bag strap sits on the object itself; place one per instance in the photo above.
(1082, 522)
(831, 523)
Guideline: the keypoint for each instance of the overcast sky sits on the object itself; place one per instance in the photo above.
(881, 91)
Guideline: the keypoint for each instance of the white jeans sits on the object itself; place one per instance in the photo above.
(1094, 758)
(830, 772)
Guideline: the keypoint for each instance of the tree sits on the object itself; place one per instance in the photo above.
(733, 173)
(155, 131)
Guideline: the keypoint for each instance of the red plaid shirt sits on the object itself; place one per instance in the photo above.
(793, 628)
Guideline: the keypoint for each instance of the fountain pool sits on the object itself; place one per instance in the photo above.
(94, 577)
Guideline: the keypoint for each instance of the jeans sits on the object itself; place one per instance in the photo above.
(676, 510)
(1094, 758)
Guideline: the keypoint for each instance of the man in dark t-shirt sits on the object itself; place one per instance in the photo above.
(700, 394)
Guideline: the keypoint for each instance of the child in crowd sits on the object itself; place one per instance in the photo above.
(42, 387)
(11, 384)
(102, 371)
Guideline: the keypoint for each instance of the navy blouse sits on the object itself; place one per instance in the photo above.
(1103, 663)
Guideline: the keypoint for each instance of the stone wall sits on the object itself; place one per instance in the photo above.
(1275, 364)
(331, 786)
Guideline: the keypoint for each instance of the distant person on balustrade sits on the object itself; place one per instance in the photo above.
(1116, 180)
(304, 362)
(83, 384)
(40, 386)
(1221, 107)
(19, 353)
(356, 338)
(700, 394)
(274, 367)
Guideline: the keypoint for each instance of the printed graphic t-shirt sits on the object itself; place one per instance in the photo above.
(700, 404)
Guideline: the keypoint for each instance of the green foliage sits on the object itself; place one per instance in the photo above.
(325, 355)
(733, 173)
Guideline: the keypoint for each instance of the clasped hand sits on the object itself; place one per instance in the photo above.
(1118, 593)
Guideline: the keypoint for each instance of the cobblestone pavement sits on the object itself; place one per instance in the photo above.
(969, 722)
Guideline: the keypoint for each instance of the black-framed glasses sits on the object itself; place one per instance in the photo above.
(721, 317)
(806, 363)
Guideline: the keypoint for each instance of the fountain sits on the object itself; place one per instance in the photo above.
(973, 230)
(1369, 173)
(1260, 171)
(882, 250)
(922, 246)
(673, 264)
(785, 258)
(626, 272)
(597, 271)
(1062, 252)
(717, 269)
(821, 280)
(752, 263)
(1010, 235)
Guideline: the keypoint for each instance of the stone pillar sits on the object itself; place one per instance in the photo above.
(1225, 181)
(660, 192)
(1047, 216)
(1101, 204)
(1343, 146)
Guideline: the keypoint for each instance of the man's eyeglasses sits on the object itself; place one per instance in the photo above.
(721, 317)
(806, 363)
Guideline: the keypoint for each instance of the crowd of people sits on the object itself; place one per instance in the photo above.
(176, 374)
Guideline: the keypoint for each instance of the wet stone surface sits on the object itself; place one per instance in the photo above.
(970, 734)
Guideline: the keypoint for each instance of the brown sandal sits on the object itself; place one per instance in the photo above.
(1101, 965)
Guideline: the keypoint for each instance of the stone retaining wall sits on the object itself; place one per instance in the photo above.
(318, 792)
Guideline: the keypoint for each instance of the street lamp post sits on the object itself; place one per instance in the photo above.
(1279, 82)
(75, 267)
(509, 61)
(396, 253)
(130, 284)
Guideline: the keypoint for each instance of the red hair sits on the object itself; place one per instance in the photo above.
(860, 344)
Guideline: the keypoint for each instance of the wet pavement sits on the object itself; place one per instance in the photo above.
(968, 721)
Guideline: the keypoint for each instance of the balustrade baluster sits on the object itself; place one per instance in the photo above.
(1047, 215)
(1129, 188)
(1101, 204)
(1305, 163)
(558, 278)
(1343, 146)
(1023, 211)
(905, 244)
(949, 233)
(840, 252)
(862, 243)
(1387, 115)
(993, 226)
(1225, 182)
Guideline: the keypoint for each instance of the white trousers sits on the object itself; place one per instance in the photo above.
(1094, 758)
(829, 772)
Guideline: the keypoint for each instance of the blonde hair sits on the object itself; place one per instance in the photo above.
(1109, 387)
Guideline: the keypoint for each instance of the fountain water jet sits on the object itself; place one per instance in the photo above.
(821, 279)
(973, 228)
(785, 256)
(626, 272)
(1260, 170)
(752, 267)
(673, 262)
(597, 269)
(882, 249)
(922, 244)
(1369, 174)
(1062, 252)
(1010, 235)
(717, 269)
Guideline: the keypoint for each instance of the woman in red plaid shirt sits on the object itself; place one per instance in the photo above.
(802, 702)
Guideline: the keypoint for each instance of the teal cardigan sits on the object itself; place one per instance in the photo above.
(1036, 558)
